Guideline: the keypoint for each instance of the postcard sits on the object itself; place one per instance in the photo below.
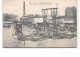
(39, 23)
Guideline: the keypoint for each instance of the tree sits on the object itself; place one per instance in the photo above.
(12, 16)
(5, 17)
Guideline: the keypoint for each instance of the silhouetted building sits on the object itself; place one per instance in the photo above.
(71, 12)
(68, 12)
(27, 20)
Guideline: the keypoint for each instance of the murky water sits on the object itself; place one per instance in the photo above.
(9, 41)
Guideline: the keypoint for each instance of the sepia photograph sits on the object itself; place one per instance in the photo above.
(39, 23)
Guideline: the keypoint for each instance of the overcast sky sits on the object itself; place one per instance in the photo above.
(16, 6)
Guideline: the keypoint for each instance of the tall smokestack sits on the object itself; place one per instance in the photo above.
(23, 8)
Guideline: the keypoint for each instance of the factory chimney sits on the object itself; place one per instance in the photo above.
(23, 8)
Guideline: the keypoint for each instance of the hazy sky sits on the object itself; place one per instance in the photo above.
(16, 6)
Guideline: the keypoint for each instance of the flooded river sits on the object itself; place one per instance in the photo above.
(9, 41)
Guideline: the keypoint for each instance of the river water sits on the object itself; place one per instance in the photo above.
(9, 41)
